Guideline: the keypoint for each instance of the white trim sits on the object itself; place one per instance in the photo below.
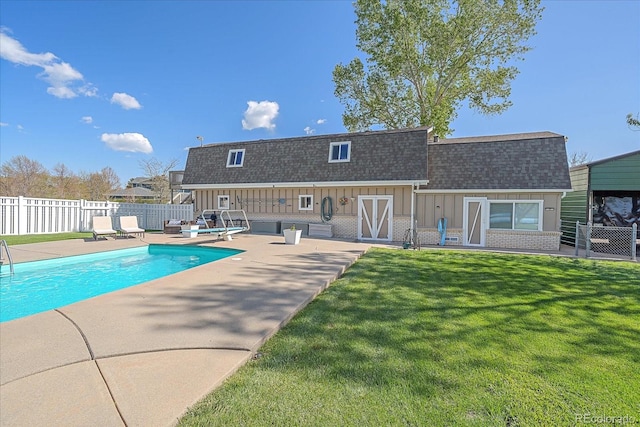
(310, 207)
(513, 203)
(339, 144)
(235, 151)
(494, 190)
(303, 184)
(221, 197)
(374, 223)
(480, 222)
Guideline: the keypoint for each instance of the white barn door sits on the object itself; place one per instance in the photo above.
(375, 218)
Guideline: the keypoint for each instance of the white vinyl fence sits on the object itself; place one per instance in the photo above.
(27, 215)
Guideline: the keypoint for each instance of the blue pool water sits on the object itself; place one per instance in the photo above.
(44, 285)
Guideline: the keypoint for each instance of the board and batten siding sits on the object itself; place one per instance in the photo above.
(284, 201)
(430, 207)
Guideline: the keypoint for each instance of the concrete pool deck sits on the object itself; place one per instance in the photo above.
(143, 355)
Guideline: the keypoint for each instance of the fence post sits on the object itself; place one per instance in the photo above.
(577, 239)
(634, 241)
(22, 215)
(588, 240)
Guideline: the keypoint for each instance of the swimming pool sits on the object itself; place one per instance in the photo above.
(44, 285)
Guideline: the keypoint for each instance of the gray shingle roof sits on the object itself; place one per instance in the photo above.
(398, 155)
(529, 161)
(520, 161)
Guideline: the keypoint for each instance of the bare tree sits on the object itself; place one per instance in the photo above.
(158, 174)
(22, 176)
(579, 158)
(64, 183)
(99, 184)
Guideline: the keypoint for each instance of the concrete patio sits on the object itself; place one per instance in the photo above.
(143, 355)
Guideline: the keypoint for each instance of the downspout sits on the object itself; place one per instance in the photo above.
(413, 197)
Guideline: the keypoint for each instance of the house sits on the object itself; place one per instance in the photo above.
(605, 192)
(132, 193)
(139, 188)
(497, 191)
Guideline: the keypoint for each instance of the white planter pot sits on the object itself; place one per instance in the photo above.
(189, 231)
(292, 237)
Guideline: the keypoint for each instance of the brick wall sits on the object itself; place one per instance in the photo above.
(546, 240)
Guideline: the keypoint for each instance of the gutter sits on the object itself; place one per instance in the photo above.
(214, 186)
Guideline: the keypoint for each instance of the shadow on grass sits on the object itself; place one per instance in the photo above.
(452, 311)
(448, 338)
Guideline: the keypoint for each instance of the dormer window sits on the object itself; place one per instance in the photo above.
(235, 159)
(340, 152)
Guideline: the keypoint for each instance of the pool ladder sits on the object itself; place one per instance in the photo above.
(3, 244)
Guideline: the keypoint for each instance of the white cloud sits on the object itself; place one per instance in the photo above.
(126, 101)
(321, 121)
(87, 119)
(88, 90)
(2, 124)
(308, 130)
(260, 115)
(60, 75)
(131, 142)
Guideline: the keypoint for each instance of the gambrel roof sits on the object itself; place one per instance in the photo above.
(525, 161)
(530, 161)
(398, 156)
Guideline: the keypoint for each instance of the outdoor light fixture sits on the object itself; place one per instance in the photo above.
(200, 138)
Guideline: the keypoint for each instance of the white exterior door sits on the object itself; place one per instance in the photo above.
(375, 218)
(473, 221)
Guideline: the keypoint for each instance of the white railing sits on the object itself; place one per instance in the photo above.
(28, 215)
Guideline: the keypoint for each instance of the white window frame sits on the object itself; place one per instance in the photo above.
(224, 202)
(513, 204)
(339, 144)
(302, 197)
(231, 154)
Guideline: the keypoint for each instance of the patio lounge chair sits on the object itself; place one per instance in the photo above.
(129, 226)
(102, 226)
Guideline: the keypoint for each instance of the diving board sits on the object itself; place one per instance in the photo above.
(229, 224)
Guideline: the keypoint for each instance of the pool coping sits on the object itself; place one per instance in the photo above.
(143, 355)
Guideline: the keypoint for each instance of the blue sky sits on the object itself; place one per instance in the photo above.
(93, 84)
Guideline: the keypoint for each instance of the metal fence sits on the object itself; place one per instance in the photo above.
(597, 238)
(27, 215)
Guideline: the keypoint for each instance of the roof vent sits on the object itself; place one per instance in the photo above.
(436, 138)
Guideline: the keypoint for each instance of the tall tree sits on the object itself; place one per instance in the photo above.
(633, 122)
(424, 58)
(158, 174)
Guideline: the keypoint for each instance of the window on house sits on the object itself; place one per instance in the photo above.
(340, 152)
(235, 159)
(305, 203)
(223, 202)
(515, 215)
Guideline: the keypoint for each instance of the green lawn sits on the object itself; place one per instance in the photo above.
(39, 238)
(446, 338)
